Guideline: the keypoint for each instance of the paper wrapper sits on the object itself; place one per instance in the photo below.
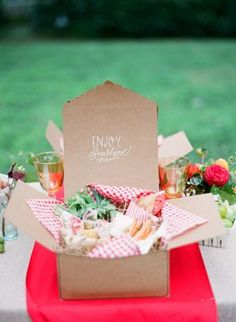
(174, 221)
(121, 246)
(119, 195)
(43, 211)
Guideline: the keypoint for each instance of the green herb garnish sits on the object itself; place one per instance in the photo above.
(82, 202)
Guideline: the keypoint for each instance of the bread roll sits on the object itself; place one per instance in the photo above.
(144, 232)
(134, 228)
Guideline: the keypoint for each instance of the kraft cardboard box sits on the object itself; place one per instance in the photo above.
(81, 277)
(174, 146)
(88, 125)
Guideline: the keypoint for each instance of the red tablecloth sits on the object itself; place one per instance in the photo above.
(190, 299)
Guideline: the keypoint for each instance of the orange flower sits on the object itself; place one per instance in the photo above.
(223, 163)
(192, 170)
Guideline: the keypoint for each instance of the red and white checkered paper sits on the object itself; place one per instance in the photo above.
(121, 246)
(139, 214)
(176, 219)
(119, 195)
(159, 203)
(43, 211)
(124, 245)
(179, 221)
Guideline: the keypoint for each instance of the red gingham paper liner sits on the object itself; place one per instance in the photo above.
(139, 214)
(121, 246)
(178, 220)
(43, 211)
(159, 203)
(119, 195)
(124, 245)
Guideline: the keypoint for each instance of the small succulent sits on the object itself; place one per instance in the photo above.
(81, 202)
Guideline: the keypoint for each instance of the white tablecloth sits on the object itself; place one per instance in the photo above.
(221, 268)
(13, 267)
(220, 265)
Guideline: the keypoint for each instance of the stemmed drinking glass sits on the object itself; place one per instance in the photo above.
(173, 176)
(50, 169)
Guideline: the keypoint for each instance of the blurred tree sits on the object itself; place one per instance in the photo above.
(3, 18)
(135, 18)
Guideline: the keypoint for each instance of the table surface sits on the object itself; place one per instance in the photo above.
(220, 265)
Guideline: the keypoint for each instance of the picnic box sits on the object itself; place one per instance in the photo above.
(129, 121)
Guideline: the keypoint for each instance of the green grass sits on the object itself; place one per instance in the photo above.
(193, 83)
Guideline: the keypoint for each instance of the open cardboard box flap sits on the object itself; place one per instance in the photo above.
(174, 146)
(54, 136)
(20, 215)
(204, 206)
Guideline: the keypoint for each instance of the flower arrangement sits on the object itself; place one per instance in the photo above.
(219, 178)
(21, 168)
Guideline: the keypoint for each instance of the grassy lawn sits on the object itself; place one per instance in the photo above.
(192, 82)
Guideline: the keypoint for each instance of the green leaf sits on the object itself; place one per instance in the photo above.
(31, 158)
(227, 188)
(82, 202)
(225, 193)
(226, 196)
(201, 152)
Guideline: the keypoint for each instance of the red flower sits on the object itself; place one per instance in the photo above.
(192, 170)
(215, 175)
